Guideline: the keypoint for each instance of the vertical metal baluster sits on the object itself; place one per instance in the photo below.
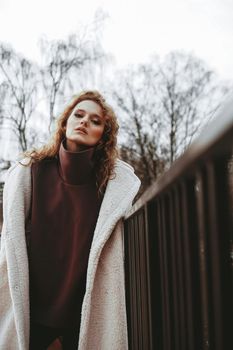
(215, 331)
(166, 274)
(174, 314)
(202, 230)
(180, 268)
(163, 285)
(156, 277)
(127, 279)
(149, 223)
(133, 288)
(144, 281)
(187, 221)
(139, 286)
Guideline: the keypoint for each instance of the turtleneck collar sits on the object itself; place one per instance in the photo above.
(76, 168)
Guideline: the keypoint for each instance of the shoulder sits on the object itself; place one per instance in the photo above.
(19, 173)
(20, 167)
(120, 163)
(125, 170)
(17, 189)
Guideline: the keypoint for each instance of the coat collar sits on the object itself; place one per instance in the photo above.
(119, 195)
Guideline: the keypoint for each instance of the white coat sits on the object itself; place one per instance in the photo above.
(103, 319)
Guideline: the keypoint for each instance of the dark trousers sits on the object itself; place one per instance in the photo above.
(42, 336)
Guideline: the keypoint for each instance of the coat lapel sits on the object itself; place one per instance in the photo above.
(118, 197)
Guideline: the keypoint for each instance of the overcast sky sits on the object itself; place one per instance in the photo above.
(134, 29)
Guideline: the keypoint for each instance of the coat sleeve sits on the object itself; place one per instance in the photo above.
(14, 299)
(8, 339)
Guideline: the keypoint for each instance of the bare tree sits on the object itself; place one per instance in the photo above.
(188, 96)
(27, 89)
(162, 106)
(140, 124)
(62, 64)
(19, 88)
(2, 98)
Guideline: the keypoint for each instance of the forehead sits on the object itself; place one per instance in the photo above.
(90, 107)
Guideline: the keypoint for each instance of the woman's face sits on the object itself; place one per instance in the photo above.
(85, 126)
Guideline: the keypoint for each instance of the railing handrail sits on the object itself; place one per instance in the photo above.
(213, 139)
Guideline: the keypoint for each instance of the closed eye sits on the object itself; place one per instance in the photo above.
(96, 121)
(78, 115)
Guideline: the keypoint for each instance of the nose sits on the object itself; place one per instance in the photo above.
(84, 121)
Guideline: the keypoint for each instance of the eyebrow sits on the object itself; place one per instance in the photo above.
(92, 114)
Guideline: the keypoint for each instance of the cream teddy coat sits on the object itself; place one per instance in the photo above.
(103, 319)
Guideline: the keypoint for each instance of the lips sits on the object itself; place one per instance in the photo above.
(83, 130)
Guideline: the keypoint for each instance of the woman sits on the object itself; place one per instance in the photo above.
(62, 243)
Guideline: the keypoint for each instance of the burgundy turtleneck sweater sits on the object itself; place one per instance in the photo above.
(65, 207)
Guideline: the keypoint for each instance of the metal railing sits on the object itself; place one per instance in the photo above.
(178, 250)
